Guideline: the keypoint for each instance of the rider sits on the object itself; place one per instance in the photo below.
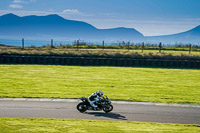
(92, 99)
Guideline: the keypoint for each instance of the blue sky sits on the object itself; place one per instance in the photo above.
(150, 17)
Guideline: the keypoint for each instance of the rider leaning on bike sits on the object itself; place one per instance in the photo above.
(94, 98)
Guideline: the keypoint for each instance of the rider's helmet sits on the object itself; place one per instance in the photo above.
(100, 93)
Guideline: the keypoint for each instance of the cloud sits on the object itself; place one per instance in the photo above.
(71, 11)
(24, 1)
(15, 6)
(18, 1)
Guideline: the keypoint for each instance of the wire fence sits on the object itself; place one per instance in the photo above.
(118, 45)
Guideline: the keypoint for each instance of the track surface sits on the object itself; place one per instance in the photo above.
(130, 112)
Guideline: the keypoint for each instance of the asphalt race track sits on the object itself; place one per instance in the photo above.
(130, 112)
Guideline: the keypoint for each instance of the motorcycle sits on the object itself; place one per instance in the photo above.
(103, 104)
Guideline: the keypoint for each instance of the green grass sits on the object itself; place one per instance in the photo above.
(134, 53)
(118, 83)
(10, 125)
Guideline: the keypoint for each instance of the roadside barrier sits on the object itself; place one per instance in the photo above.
(97, 61)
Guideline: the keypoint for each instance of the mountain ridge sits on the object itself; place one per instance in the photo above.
(55, 26)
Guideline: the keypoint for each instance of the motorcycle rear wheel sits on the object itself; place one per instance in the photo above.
(108, 108)
(81, 107)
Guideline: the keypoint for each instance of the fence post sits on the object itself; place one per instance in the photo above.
(128, 46)
(22, 43)
(142, 47)
(160, 47)
(77, 45)
(103, 45)
(51, 43)
(123, 44)
(190, 48)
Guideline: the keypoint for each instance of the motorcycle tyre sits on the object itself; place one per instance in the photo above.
(106, 111)
(83, 109)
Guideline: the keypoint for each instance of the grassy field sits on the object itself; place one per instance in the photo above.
(119, 83)
(165, 54)
(9, 125)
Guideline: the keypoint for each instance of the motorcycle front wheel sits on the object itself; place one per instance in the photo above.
(108, 108)
(81, 107)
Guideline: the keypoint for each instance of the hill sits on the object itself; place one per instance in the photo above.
(57, 27)
(54, 26)
(190, 36)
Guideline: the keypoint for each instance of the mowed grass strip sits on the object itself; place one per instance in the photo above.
(8, 125)
(118, 83)
(110, 53)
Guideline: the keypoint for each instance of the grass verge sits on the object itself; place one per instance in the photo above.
(8, 125)
(119, 83)
(110, 53)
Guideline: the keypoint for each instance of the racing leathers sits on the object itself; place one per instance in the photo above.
(92, 99)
